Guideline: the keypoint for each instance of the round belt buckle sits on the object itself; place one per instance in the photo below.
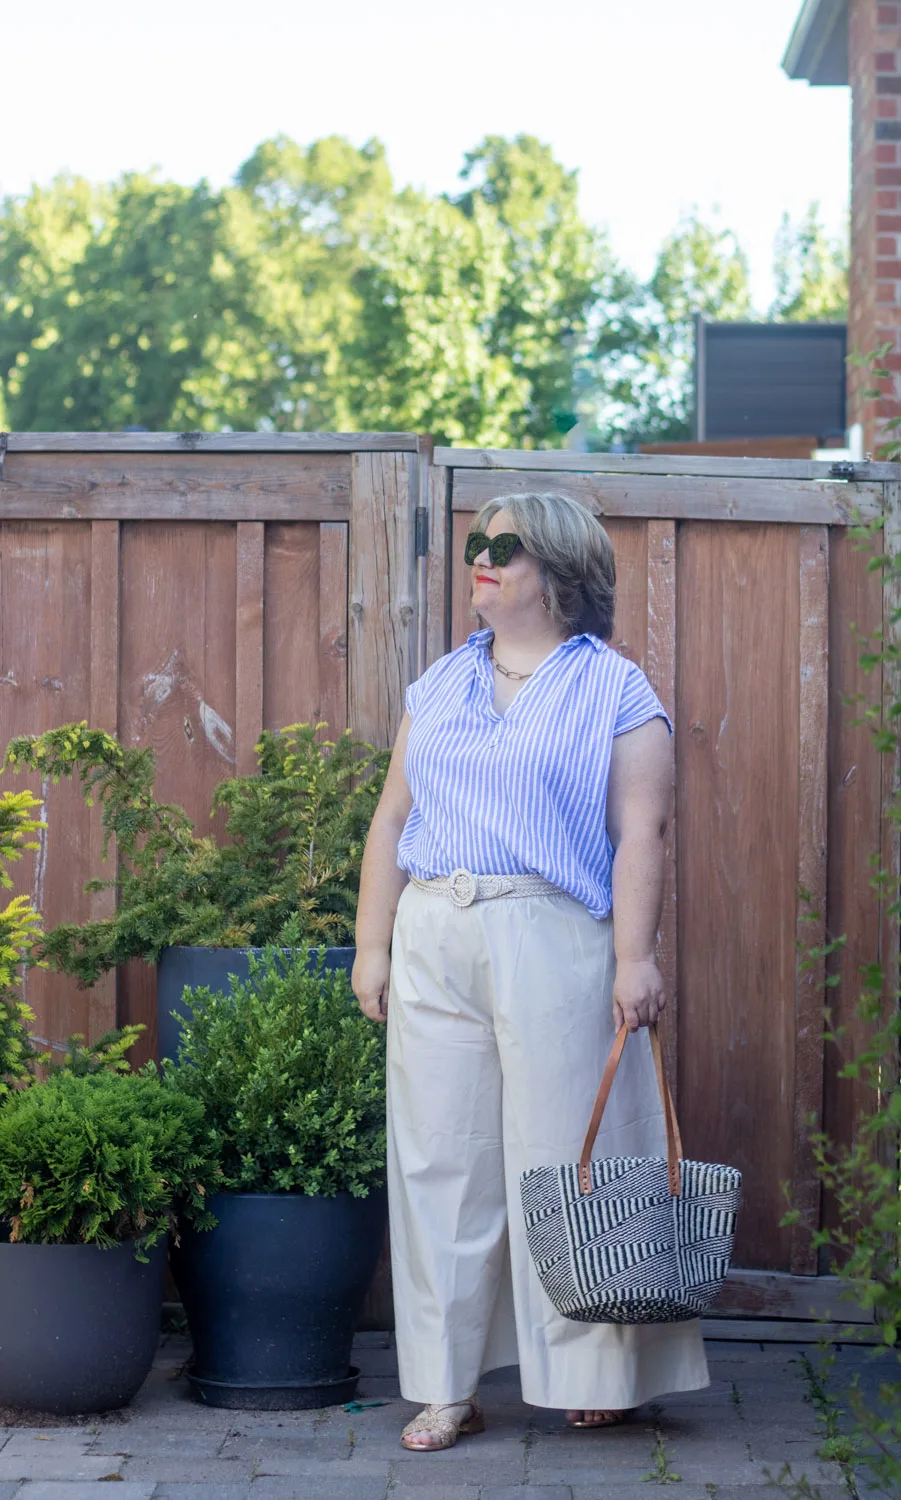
(461, 887)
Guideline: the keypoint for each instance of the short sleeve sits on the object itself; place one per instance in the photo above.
(411, 697)
(638, 703)
(422, 690)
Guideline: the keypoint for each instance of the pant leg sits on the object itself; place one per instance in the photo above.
(554, 967)
(447, 1200)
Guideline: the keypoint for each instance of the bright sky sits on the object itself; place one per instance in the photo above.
(660, 106)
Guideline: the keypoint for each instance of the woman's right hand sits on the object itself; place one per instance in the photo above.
(369, 980)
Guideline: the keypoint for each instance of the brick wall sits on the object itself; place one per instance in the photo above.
(875, 317)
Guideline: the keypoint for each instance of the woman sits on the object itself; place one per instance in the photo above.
(538, 760)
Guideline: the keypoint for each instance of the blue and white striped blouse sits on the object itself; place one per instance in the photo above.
(524, 792)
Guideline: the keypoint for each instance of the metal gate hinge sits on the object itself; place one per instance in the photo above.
(844, 469)
(422, 531)
(4, 443)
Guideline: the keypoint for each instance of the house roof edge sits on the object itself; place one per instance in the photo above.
(818, 46)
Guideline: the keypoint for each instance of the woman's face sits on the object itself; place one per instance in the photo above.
(511, 592)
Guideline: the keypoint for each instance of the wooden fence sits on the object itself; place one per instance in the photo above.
(186, 591)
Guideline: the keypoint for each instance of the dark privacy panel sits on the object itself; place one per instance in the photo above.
(769, 379)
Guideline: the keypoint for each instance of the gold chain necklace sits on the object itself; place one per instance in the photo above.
(515, 676)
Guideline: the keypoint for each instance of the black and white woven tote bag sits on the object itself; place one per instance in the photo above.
(630, 1239)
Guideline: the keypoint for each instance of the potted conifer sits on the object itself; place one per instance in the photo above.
(291, 1080)
(92, 1168)
(297, 829)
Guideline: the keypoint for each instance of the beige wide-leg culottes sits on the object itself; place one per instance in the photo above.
(499, 1025)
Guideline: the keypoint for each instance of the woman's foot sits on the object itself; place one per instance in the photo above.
(439, 1426)
(608, 1417)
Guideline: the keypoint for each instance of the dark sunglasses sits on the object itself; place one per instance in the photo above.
(500, 548)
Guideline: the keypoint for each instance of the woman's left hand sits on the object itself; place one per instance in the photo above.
(638, 997)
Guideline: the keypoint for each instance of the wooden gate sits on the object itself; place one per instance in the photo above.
(738, 585)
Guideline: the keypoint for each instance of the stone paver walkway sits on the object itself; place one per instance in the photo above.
(721, 1443)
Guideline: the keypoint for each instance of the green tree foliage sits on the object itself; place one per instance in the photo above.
(289, 1074)
(307, 295)
(310, 294)
(811, 271)
(422, 358)
(554, 272)
(101, 1158)
(701, 269)
(303, 221)
(123, 305)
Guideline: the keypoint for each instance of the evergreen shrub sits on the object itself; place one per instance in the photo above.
(18, 925)
(102, 1157)
(290, 1075)
(296, 831)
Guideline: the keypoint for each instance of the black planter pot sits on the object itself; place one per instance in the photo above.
(272, 1296)
(195, 966)
(79, 1326)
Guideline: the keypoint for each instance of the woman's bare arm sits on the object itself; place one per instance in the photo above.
(639, 797)
(381, 883)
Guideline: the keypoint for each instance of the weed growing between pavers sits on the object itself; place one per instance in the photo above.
(660, 1471)
(836, 1447)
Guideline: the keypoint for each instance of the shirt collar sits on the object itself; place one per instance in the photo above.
(482, 637)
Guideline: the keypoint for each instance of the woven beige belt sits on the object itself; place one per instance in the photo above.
(463, 887)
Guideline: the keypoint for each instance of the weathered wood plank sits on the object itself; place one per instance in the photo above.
(737, 863)
(787, 1331)
(177, 686)
(855, 791)
(103, 714)
(382, 583)
(776, 1294)
(46, 628)
(810, 995)
(213, 442)
(176, 487)
(558, 460)
(439, 564)
(333, 627)
(249, 591)
(680, 497)
(293, 624)
(463, 616)
(661, 671)
(629, 539)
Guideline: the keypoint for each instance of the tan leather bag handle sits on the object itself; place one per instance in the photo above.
(673, 1138)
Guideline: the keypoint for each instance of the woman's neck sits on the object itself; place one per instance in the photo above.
(523, 650)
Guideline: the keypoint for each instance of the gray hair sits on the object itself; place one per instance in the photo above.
(574, 554)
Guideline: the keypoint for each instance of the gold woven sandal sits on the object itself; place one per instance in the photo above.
(610, 1417)
(432, 1418)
